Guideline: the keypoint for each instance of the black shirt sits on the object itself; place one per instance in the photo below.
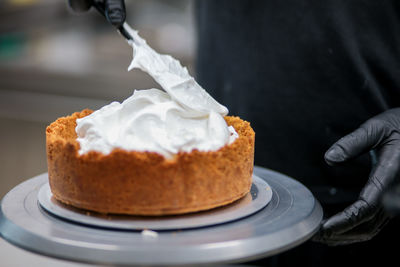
(304, 73)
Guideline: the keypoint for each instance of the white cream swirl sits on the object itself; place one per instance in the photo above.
(183, 118)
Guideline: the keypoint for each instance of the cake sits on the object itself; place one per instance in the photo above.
(159, 152)
(147, 183)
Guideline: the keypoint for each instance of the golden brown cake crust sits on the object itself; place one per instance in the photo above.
(145, 183)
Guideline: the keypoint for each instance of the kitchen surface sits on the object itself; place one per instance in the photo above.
(12, 256)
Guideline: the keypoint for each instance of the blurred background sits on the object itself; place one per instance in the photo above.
(54, 62)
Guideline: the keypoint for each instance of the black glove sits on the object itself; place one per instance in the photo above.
(114, 9)
(391, 200)
(366, 217)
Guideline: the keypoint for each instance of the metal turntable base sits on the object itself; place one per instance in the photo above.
(260, 195)
(292, 216)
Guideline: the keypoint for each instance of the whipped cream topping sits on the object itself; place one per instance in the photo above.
(183, 117)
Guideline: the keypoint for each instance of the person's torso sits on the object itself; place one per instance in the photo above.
(304, 73)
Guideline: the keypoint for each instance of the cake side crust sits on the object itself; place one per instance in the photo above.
(145, 183)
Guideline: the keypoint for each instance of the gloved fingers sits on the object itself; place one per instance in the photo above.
(383, 174)
(362, 232)
(115, 12)
(345, 239)
(354, 215)
(391, 200)
(363, 139)
(80, 5)
(360, 221)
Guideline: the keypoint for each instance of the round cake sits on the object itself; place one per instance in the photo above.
(147, 183)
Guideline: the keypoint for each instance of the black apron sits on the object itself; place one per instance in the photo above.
(304, 73)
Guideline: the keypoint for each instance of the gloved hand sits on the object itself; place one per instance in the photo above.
(366, 217)
(114, 9)
(391, 200)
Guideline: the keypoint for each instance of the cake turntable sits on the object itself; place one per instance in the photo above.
(278, 214)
